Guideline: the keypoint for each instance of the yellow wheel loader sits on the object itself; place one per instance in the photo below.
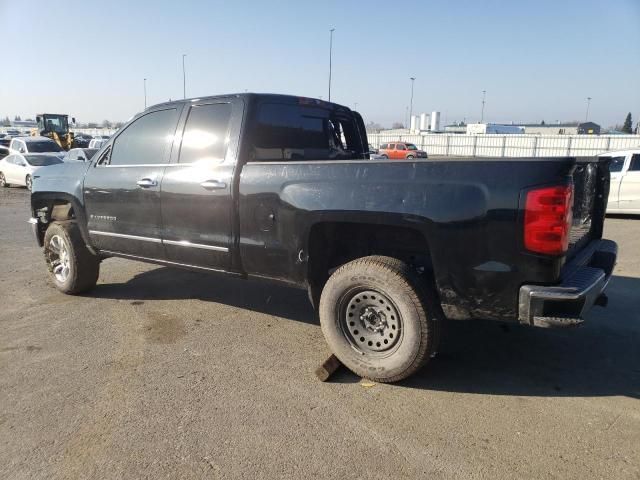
(56, 127)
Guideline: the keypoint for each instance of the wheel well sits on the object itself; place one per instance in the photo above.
(47, 210)
(332, 244)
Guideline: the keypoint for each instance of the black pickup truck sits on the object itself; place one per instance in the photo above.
(282, 188)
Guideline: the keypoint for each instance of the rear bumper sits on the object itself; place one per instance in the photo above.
(584, 280)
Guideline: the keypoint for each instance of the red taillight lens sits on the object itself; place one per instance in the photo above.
(547, 219)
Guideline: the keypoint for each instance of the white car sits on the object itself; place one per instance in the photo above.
(35, 145)
(18, 169)
(624, 189)
(97, 142)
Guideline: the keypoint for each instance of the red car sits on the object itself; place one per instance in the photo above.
(401, 151)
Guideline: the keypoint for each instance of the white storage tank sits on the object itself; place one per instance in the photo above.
(424, 122)
(435, 121)
(414, 123)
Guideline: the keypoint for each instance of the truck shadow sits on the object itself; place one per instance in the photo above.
(601, 358)
(165, 283)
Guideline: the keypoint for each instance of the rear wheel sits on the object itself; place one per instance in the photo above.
(385, 157)
(28, 182)
(410, 157)
(73, 268)
(3, 181)
(380, 318)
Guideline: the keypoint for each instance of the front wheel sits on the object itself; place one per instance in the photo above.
(385, 157)
(410, 157)
(72, 267)
(28, 182)
(380, 318)
(3, 181)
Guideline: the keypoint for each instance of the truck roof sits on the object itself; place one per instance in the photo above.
(255, 96)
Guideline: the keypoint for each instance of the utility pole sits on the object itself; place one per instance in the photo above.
(413, 79)
(330, 57)
(184, 78)
(586, 116)
(484, 98)
(145, 93)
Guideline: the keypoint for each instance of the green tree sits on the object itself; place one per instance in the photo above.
(627, 128)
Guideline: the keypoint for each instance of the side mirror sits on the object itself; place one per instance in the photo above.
(38, 118)
(73, 119)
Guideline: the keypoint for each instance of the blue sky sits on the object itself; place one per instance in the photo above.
(536, 60)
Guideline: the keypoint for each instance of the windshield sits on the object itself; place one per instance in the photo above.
(54, 123)
(43, 147)
(42, 160)
(411, 146)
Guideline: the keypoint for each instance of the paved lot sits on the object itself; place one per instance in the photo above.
(162, 373)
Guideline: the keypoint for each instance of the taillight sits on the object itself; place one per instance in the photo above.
(547, 219)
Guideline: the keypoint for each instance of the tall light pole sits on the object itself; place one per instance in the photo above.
(330, 57)
(184, 78)
(413, 79)
(145, 93)
(484, 100)
(586, 116)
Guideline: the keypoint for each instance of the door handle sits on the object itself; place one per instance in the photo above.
(147, 182)
(213, 185)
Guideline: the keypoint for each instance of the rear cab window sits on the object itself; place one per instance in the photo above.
(295, 132)
(616, 164)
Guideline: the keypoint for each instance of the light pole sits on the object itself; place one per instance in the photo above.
(184, 78)
(484, 98)
(586, 116)
(145, 93)
(330, 57)
(413, 79)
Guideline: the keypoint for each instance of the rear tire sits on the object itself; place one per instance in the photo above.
(410, 157)
(3, 181)
(73, 268)
(385, 157)
(28, 182)
(380, 318)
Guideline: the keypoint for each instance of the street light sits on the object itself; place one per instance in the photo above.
(413, 79)
(184, 78)
(586, 117)
(145, 93)
(330, 55)
(484, 97)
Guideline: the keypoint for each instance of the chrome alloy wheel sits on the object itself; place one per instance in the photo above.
(371, 322)
(58, 258)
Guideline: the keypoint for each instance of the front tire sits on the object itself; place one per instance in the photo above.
(73, 268)
(28, 182)
(380, 318)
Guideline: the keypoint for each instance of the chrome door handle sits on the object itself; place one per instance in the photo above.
(213, 185)
(147, 182)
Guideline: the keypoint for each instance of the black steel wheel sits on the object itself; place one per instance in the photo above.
(380, 318)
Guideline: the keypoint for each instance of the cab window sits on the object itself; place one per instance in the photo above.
(616, 164)
(400, 147)
(304, 132)
(206, 134)
(145, 141)
(634, 166)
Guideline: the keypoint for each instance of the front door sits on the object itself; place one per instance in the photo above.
(122, 187)
(197, 206)
(616, 167)
(629, 196)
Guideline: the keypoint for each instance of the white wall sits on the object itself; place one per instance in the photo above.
(512, 145)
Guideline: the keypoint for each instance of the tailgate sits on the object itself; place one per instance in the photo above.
(591, 190)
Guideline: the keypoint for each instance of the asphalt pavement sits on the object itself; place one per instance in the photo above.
(165, 373)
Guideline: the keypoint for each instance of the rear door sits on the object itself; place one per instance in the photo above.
(629, 196)
(122, 187)
(197, 206)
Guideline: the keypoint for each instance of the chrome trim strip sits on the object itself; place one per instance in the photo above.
(185, 243)
(162, 262)
(131, 165)
(122, 235)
